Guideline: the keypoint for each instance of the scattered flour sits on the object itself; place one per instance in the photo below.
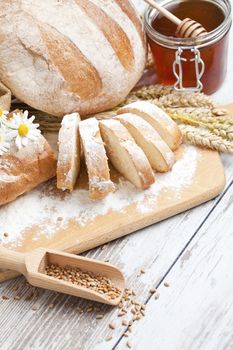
(42, 207)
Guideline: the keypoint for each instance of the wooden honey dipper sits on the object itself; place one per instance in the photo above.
(186, 28)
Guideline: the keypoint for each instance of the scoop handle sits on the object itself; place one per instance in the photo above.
(12, 260)
(164, 11)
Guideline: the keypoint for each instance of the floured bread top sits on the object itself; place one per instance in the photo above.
(69, 152)
(25, 153)
(95, 158)
(70, 120)
(78, 55)
(151, 109)
(159, 120)
(148, 133)
(65, 139)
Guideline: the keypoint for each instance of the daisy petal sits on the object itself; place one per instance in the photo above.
(24, 141)
(25, 114)
(32, 137)
(32, 119)
(18, 142)
(35, 126)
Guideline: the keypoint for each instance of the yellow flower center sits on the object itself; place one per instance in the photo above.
(23, 130)
(1, 112)
(1, 138)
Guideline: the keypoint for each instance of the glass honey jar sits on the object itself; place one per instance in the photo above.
(195, 64)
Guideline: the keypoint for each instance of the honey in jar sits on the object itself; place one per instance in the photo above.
(194, 63)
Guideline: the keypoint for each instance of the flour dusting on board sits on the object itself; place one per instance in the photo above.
(43, 207)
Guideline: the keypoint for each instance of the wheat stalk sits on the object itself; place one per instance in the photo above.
(204, 138)
(223, 130)
(200, 113)
(188, 99)
(226, 134)
(201, 121)
(226, 120)
(196, 104)
(151, 92)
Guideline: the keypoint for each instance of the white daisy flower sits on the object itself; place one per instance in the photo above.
(22, 129)
(4, 141)
(3, 116)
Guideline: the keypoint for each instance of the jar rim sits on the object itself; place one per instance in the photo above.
(171, 41)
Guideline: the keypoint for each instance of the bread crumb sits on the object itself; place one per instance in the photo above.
(90, 309)
(108, 338)
(124, 323)
(112, 325)
(99, 317)
(129, 344)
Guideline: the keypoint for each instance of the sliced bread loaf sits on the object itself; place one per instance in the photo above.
(126, 156)
(96, 159)
(160, 156)
(69, 152)
(161, 122)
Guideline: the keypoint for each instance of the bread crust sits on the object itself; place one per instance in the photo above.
(96, 159)
(158, 119)
(69, 152)
(49, 62)
(141, 164)
(22, 170)
(129, 10)
(157, 151)
(116, 37)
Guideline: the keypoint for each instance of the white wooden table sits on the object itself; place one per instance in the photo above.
(192, 251)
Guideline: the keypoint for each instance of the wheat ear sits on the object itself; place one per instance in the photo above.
(204, 138)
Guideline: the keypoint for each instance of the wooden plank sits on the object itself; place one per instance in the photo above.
(62, 327)
(155, 249)
(196, 311)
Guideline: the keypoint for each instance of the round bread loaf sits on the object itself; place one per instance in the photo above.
(64, 56)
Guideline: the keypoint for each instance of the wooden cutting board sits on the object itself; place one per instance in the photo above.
(197, 177)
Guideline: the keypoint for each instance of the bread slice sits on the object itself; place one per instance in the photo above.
(160, 156)
(96, 159)
(126, 156)
(161, 122)
(69, 152)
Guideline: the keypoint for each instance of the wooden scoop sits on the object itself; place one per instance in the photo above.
(32, 265)
(186, 28)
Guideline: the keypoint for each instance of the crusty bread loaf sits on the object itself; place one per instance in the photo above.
(126, 156)
(96, 159)
(21, 170)
(161, 122)
(160, 156)
(71, 55)
(69, 152)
